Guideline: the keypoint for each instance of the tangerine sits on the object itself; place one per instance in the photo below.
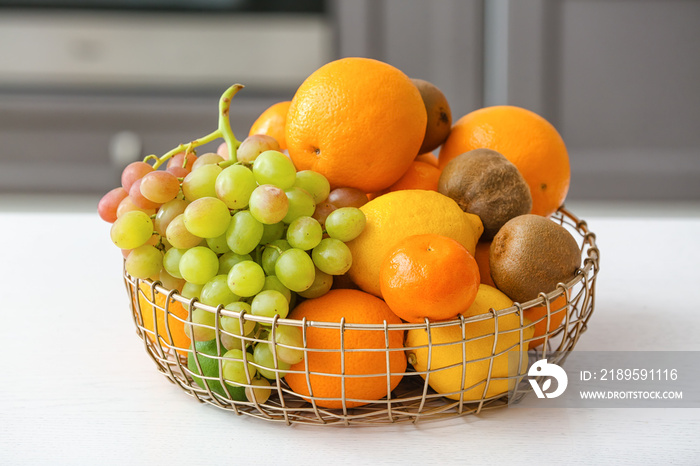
(420, 175)
(272, 122)
(429, 276)
(330, 373)
(538, 315)
(481, 255)
(529, 141)
(358, 121)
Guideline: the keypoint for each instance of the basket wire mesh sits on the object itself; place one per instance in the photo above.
(154, 311)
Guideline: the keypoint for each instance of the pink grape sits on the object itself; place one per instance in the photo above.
(159, 186)
(107, 207)
(175, 164)
(134, 171)
(139, 199)
(127, 205)
(347, 197)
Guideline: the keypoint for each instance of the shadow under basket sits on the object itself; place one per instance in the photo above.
(487, 373)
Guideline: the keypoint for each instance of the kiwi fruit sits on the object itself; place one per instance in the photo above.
(531, 254)
(439, 115)
(485, 183)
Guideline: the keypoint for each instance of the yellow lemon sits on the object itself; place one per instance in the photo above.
(449, 350)
(398, 214)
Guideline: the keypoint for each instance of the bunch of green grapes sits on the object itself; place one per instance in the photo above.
(249, 234)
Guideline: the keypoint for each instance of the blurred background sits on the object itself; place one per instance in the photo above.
(88, 86)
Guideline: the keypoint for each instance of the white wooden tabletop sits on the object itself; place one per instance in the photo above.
(78, 388)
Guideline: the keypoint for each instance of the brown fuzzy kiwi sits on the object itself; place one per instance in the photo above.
(485, 183)
(532, 254)
(439, 115)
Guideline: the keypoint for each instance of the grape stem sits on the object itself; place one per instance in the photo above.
(223, 131)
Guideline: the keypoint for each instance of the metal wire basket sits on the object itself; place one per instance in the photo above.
(155, 313)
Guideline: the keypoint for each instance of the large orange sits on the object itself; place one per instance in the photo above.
(177, 316)
(529, 141)
(366, 378)
(358, 121)
(272, 122)
(429, 276)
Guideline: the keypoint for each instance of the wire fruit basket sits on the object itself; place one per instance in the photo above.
(155, 313)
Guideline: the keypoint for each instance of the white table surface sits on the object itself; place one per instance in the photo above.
(78, 388)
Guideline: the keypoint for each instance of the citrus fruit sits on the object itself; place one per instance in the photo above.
(357, 121)
(459, 359)
(428, 157)
(482, 260)
(529, 141)
(429, 276)
(172, 336)
(209, 362)
(272, 122)
(538, 315)
(399, 214)
(420, 175)
(366, 378)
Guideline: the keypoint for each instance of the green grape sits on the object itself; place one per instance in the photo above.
(144, 262)
(314, 183)
(234, 370)
(274, 283)
(229, 259)
(246, 278)
(295, 269)
(267, 365)
(203, 326)
(167, 213)
(268, 204)
(191, 290)
(231, 326)
(269, 303)
(218, 244)
(304, 233)
(234, 185)
(201, 182)
(132, 229)
(321, 285)
(171, 261)
(271, 253)
(216, 291)
(345, 223)
(207, 159)
(179, 236)
(332, 256)
(288, 342)
(272, 232)
(254, 145)
(301, 204)
(207, 217)
(258, 391)
(169, 282)
(199, 265)
(244, 232)
(275, 168)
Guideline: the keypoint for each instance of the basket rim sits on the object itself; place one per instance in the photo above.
(590, 263)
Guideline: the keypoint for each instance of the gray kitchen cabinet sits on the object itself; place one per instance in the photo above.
(618, 78)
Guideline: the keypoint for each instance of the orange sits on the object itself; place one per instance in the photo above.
(177, 316)
(529, 141)
(272, 122)
(428, 157)
(429, 276)
(420, 175)
(366, 378)
(538, 315)
(481, 255)
(357, 121)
